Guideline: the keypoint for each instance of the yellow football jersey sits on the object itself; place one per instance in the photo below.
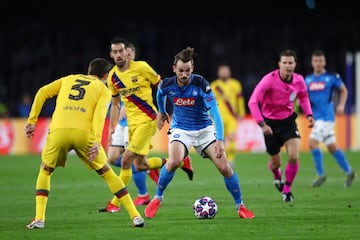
(135, 88)
(82, 103)
(229, 97)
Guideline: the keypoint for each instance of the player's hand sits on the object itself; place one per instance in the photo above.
(122, 114)
(93, 152)
(160, 120)
(267, 130)
(340, 109)
(109, 136)
(29, 130)
(311, 121)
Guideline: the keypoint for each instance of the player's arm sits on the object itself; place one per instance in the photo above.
(342, 99)
(219, 127)
(122, 114)
(219, 124)
(254, 104)
(114, 113)
(255, 100)
(162, 115)
(305, 105)
(98, 121)
(150, 74)
(48, 91)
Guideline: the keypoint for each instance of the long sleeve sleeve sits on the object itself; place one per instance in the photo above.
(48, 91)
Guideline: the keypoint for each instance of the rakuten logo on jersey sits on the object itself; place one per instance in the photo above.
(316, 86)
(184, 101)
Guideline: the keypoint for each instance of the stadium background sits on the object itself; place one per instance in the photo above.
(51, 40)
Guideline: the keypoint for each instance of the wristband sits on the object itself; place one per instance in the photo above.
(262, 123)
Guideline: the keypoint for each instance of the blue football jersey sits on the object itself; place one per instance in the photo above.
(321, 92)
(190, 103)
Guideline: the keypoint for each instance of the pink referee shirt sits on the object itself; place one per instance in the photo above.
(274, 98)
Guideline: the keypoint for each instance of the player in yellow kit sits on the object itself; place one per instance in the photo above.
(77, 124)
(228, 92)
(134, 81)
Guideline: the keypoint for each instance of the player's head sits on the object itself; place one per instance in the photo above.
(287, 64)
(131, 51)
(318, 61)
(118, 51)
(224, 72)
(99, 67)
(183, 65)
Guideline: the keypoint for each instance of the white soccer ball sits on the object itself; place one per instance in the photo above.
(205, 208)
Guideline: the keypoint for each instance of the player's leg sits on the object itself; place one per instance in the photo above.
(140, 136)
(274, 165)
(177, 151)
(41, 196)
(273, 146)
(117, 145)
(230, 129)
(154, 175)
(116, 149)
(118, 188)
(115, 155)
(343, 162)
(292, 147)
(139, 177)
(143, 196)
(230, 178)
(317, 136)
(185, 165)
(54, 149)
(140, 182)
(115, 184)
(155, 162)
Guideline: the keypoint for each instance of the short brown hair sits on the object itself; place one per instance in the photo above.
(185, 55)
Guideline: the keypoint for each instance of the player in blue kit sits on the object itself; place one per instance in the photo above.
(320, 85)
(192, 126)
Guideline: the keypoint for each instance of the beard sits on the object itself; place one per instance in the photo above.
(120, 63)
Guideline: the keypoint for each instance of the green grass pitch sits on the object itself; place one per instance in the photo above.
(328, 212)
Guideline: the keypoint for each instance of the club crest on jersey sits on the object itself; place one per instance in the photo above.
(208, 88)
(292, 97)
(187, 102)
(134, 79)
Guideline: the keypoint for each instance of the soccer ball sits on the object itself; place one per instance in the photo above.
(205, 208)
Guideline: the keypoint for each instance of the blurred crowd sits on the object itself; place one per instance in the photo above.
(35, 53)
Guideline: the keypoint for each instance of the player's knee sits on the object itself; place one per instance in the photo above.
(313, 144)
(275, 160)
(172, 164)
(332, 147)
(293, 158)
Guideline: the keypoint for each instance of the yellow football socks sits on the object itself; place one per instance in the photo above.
(42, 191)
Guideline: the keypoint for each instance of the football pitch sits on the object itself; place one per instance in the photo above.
(328, 212)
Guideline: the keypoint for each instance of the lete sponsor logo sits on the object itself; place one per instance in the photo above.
(184, 101)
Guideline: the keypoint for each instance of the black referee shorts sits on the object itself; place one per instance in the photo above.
(283, 130)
